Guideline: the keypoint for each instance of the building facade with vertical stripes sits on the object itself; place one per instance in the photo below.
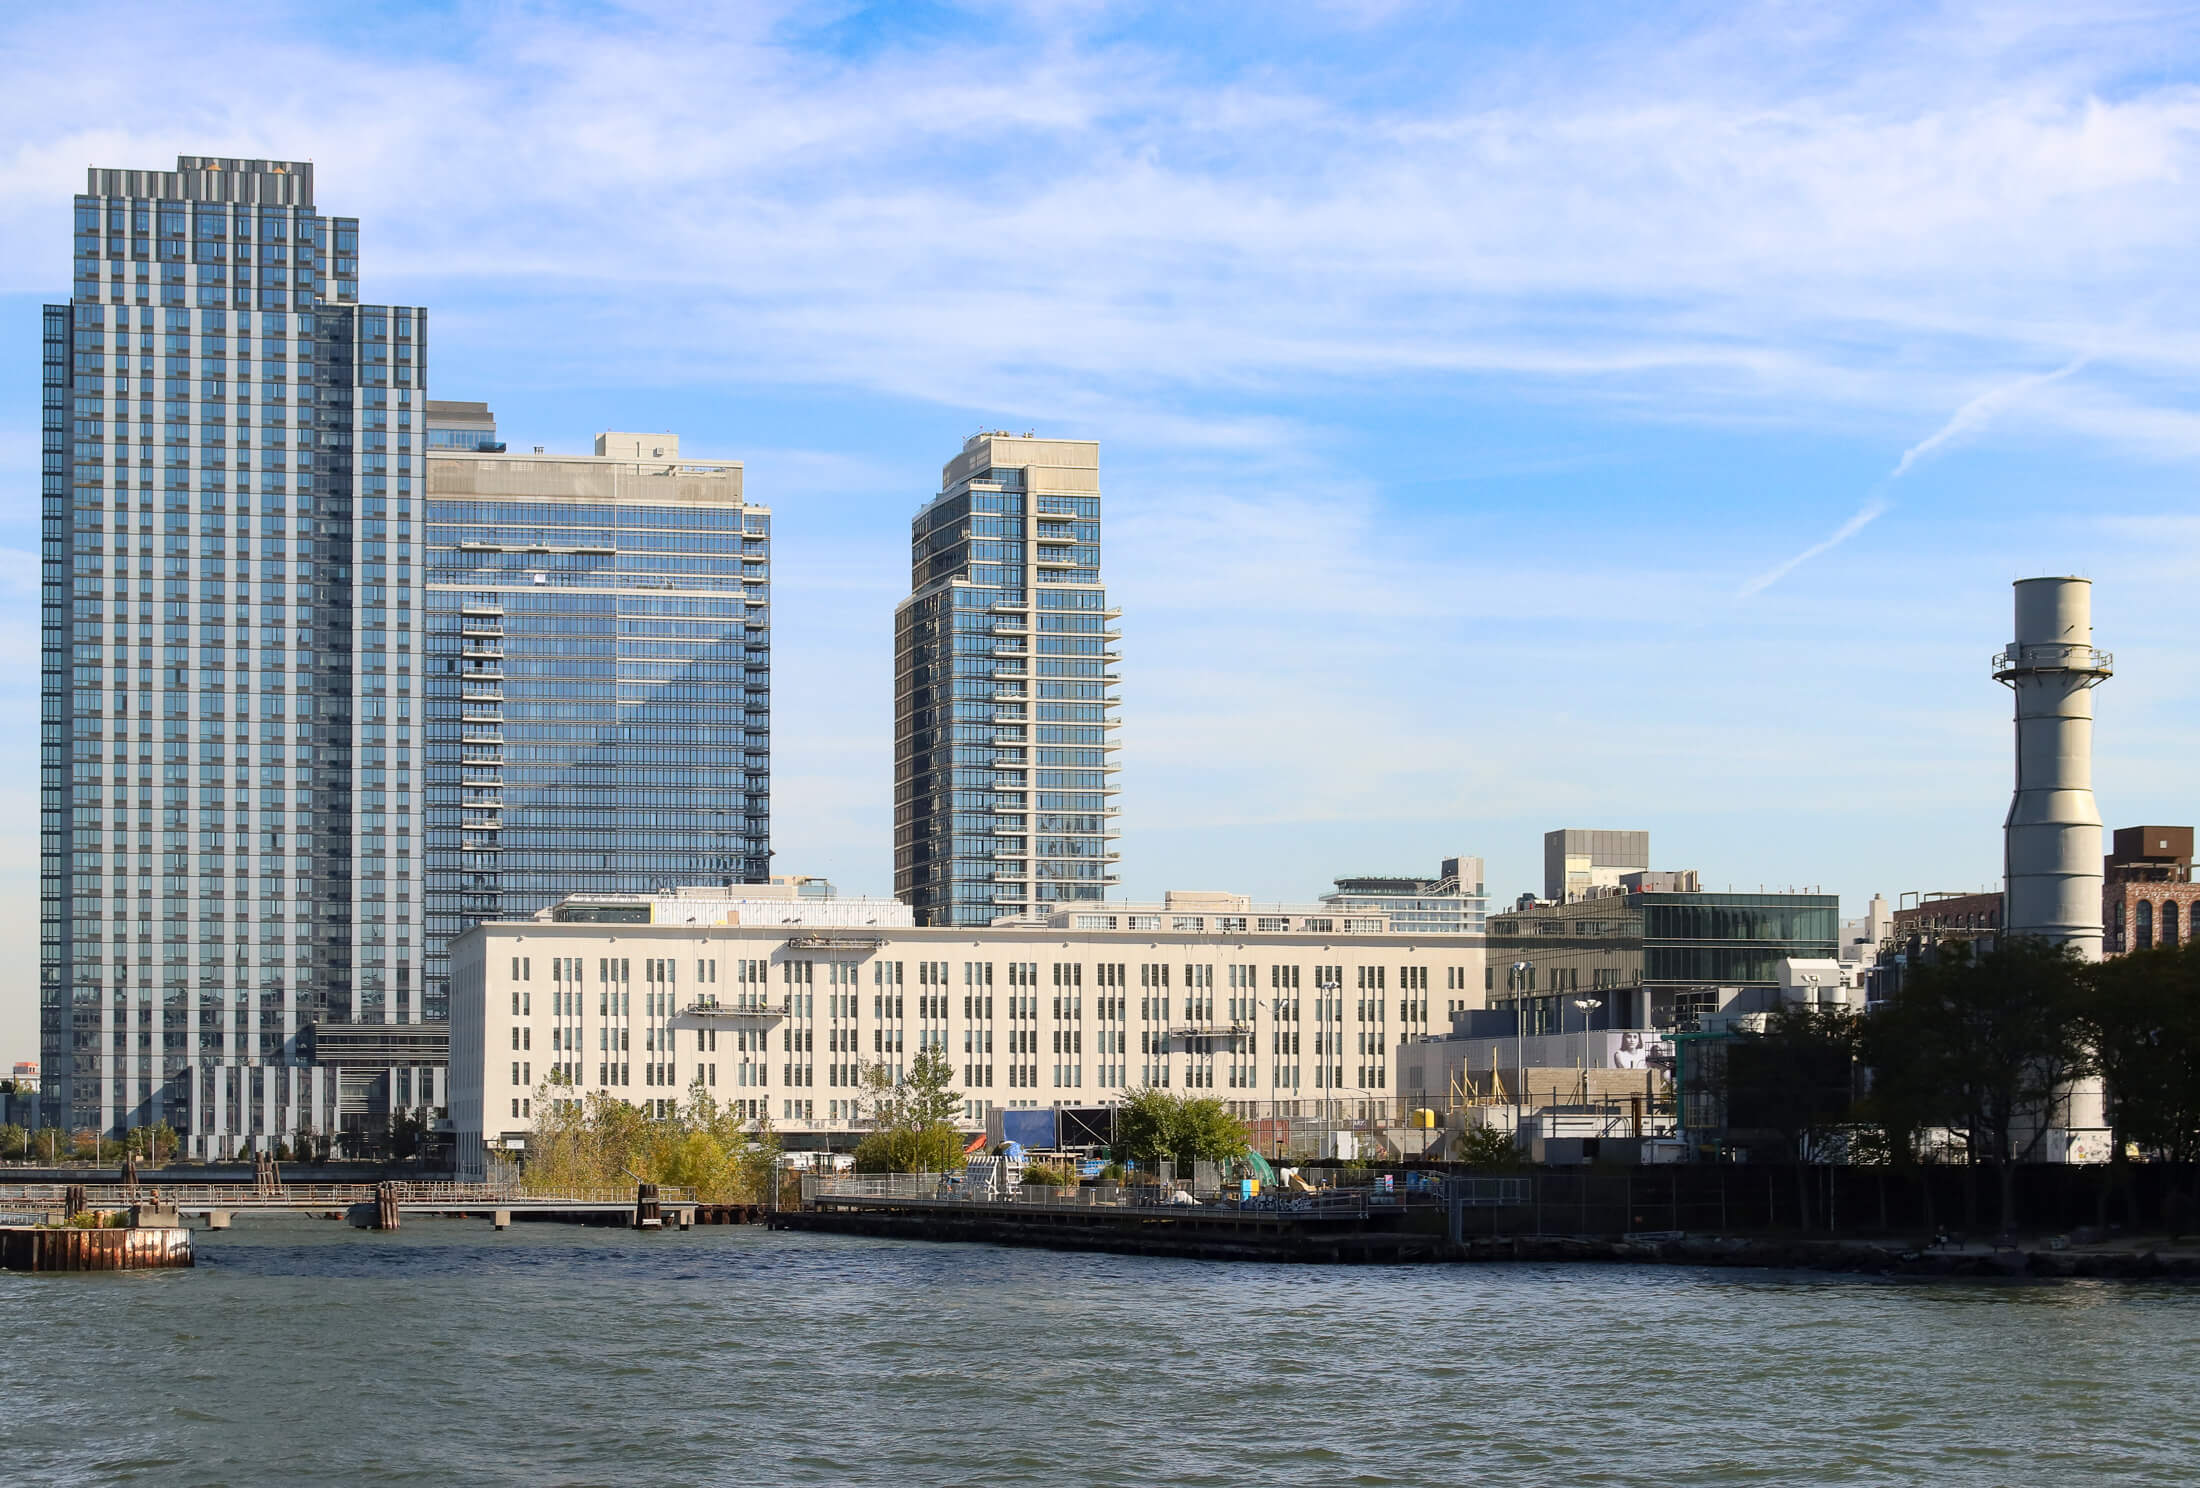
(1273, 1009)
(230, 767)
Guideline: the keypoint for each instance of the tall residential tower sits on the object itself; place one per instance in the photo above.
(599, 675)
(1004, 688)
(230, 787)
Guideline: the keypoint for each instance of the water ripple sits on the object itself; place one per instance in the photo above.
(446, 1352)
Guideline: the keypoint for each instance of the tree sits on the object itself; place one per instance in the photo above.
(932, 1098)
(1989, 1045)
(2143, 1019)
(1155, 1124)
(14, 1141)
(155, 1144)
(1486, 1147)
(408, 1132)
(912, 1120)
(1796, 1080)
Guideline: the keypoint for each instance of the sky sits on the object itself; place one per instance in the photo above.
(1511, 417)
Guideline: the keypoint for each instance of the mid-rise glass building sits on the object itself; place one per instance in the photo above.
(599, 677)
(1633, 958)
(1005, 700)
(230, 788)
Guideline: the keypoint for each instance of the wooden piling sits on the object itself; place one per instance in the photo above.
(648, 1212)
(385, 1206)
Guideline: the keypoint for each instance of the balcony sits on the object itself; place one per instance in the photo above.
(749, 1007)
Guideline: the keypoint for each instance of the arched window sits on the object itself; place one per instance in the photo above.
(2169, 922)
(2142, 926)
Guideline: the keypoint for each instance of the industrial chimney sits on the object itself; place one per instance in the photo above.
(2051, 843)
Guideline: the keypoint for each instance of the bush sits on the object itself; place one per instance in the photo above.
(937, 1148)
(602, 1145)
(1485, 1147)
(1048, 1175)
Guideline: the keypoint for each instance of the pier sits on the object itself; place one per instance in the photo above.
(370, 1205)
(1333, 1226)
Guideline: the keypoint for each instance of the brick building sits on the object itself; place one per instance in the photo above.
(2147, 893)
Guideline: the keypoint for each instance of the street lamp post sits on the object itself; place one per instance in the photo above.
(1587, 1005)
(1523, 974)
(1325, 988)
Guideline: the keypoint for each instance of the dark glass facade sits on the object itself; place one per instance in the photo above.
(1650, 960)
(1004, 790)
(599, 684)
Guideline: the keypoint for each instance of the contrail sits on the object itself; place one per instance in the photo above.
(1975, 415)
(1968, 419)
(1864, 517)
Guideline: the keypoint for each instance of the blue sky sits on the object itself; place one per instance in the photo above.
(1469, 377)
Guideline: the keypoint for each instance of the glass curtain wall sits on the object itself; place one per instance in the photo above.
(229, 773)
(599, 697)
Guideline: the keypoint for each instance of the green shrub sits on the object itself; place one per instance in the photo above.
(1485, 1147)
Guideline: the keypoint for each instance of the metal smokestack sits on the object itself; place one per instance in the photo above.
(2051, 843)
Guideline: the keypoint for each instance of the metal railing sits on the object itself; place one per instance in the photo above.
(958, 1190)
(319, 1195)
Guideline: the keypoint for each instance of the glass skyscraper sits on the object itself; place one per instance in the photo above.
(230, 791)
(1004, 702)
(599, 676)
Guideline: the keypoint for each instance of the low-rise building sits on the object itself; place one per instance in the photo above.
(1654, 952)
(2148, 897)
(1579, 863)
(1927, 919)
(1264, 1007)
(1455, 902)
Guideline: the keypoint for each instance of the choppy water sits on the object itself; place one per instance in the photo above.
(446, 1353)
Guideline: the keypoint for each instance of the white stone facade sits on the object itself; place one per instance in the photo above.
(780, 1019)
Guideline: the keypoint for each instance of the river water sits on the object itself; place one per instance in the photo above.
(446, 1353)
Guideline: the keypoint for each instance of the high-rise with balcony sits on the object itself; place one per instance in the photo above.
(599, 675)
(1004, 703)
(230, 789)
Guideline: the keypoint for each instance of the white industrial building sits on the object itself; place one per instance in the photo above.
(774, 1006)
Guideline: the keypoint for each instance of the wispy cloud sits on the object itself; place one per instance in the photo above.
(1691, 220)
(1964, 423)
(1978, 413)
(1297, 271)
